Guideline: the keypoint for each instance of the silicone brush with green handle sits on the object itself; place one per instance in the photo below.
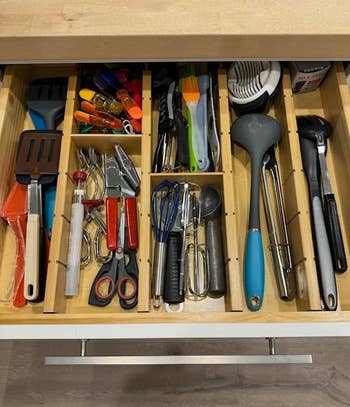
(191, 95)
(192, 158)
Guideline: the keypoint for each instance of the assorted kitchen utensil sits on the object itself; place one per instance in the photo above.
(189, 259)
(197, 145)
(211, 202)
(115, 276)
(111, 101)
(75, 234)
(164, 150)
(327, 237)
(213, 136)
(277, 227)
(115, 176)
(197, 262)
(92, 163)
(318, 129)
(14, 211)
(185, 145)
(257, 133)
(252, 85)
(322, 250)
(164, 208)
(173, 300)
(37, 164)
(46, 102)
(183, 265)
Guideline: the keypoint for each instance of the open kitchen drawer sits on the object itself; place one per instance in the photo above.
(332, 101)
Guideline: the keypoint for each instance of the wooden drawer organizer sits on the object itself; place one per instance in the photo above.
(332, 101)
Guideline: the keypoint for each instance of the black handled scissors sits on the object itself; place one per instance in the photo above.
(116, 276)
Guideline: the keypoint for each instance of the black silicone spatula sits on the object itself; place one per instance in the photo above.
(256, 133)
(318, 129)
(47, 100)
(36, 164)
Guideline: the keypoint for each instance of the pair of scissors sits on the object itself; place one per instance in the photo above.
(116, 276)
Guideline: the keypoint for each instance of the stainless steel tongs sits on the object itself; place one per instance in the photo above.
(277, 227)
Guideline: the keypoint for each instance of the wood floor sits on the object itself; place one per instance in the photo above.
(25, 381)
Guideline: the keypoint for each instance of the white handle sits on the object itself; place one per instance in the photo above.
(202, 121)
(197, 139)
(32, 258)
(74, 250)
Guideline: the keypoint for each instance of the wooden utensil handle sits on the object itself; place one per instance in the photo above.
(31, 267)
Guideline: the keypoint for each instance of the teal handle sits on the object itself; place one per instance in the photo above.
(254, 270)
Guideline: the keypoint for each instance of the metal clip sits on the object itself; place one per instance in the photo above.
(127, 167)
(116, 181)
(277, 227)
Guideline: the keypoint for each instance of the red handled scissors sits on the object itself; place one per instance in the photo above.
(116, 276)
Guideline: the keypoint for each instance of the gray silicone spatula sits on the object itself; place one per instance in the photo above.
(320, 238)
(47, 100)
(256, 133)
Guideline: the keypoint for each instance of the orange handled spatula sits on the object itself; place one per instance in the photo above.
(14, 212)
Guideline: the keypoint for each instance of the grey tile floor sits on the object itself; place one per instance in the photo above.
(25, 381)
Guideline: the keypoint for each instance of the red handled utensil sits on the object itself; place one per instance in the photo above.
(14, 212)
(131, 223)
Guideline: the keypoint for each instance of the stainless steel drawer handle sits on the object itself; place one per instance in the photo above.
(271, 358)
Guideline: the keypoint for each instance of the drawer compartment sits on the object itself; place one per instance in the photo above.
(328, 101)
(295, 197)
(139, 147)
(15, 119)
(133, 145)
(331, 101)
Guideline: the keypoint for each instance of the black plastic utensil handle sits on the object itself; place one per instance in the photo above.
(213, 240)
(158, 159)
(335, 234)
(182, 157)
(172, 271)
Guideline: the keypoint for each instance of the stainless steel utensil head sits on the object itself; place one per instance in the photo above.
(211, 200)
(116, 182)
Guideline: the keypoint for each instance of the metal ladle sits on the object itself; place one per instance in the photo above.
(211, 203)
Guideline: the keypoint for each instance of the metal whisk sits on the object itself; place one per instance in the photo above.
(164, 208)
(197, 271)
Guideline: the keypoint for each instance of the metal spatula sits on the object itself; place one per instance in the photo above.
(37, 164)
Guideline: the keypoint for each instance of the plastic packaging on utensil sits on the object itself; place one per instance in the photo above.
(75, 235)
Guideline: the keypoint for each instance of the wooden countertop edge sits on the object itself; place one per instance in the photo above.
(86, 30)
(160, 47)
